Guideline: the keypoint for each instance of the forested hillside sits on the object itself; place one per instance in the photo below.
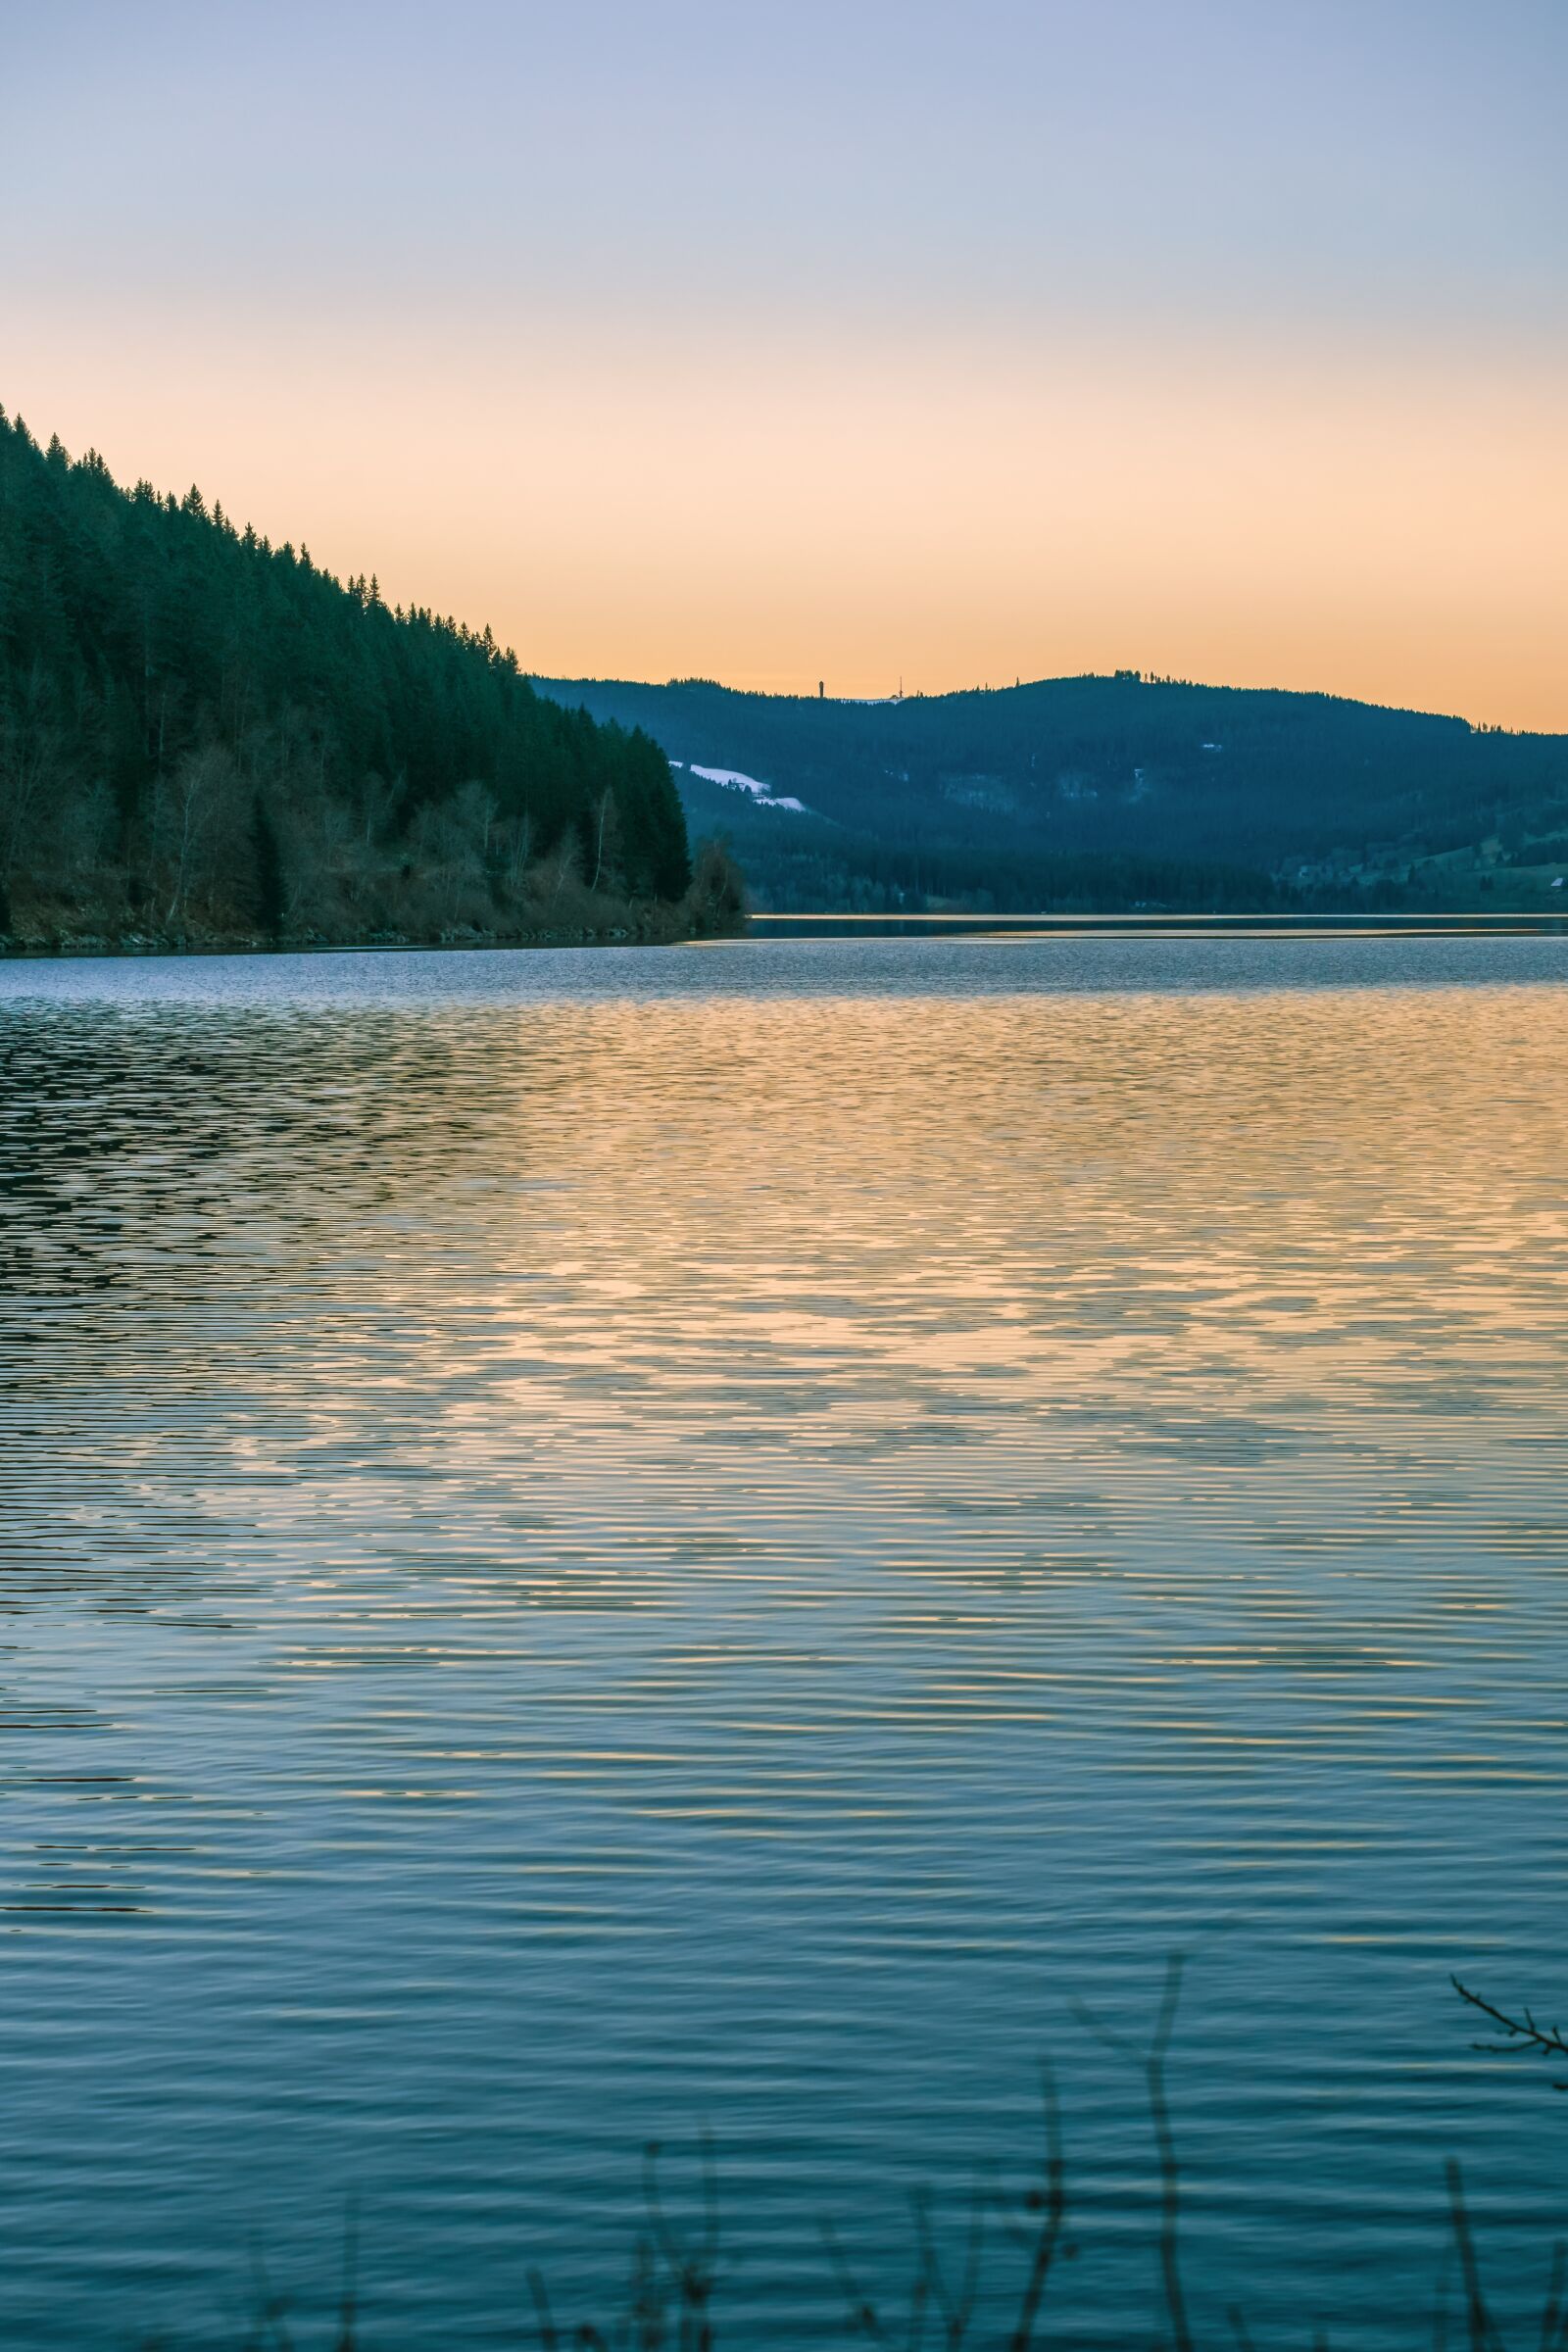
(1110, 792)
(204, 737)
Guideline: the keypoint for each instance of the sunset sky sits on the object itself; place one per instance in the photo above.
(779, 342)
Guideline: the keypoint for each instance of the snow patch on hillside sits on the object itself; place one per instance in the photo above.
(731, 779)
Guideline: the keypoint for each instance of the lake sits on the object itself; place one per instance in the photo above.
(602, 1545)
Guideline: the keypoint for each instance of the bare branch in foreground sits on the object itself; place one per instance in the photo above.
(1519, 2034)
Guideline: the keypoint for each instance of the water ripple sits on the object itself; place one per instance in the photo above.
(594, 1541)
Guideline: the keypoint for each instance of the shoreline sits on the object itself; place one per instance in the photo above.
(136, 949)
(780, 929)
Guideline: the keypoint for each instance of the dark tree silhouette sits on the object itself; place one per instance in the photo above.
(206, 734)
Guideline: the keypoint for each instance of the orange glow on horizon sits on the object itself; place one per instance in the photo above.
(778, 513)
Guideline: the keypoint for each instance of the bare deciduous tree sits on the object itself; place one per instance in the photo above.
(195, 800)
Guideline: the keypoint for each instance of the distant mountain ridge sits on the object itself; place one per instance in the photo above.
(1106, 790)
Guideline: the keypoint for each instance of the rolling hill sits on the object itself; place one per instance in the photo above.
(1106, 792)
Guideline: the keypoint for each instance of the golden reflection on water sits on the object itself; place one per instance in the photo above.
(649, 1553)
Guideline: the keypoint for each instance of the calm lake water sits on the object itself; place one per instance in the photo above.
(603, 1542)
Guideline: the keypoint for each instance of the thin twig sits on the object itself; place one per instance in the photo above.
(1054, 2206)
(1165, 2141)
(271, 2305)
(956, 2310)
(1519, 2034)
(693, 2271)
(1152, 2065)
(1551, 2318)
(1483, 2336)
(861, 2311)
(549, 2336)
(348, 2308)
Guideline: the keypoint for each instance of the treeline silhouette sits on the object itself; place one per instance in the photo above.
(811, 869)
(204, 736)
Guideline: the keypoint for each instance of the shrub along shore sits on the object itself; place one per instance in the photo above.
(555, 909)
